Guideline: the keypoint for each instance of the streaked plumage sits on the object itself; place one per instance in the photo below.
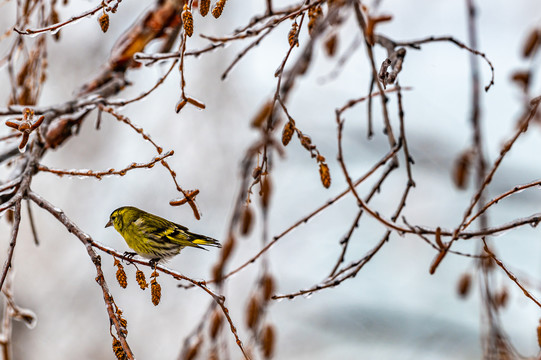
(154, 237)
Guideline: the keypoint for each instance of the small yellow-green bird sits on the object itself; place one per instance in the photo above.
(153, 237)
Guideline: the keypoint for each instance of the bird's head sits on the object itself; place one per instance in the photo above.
(121, 217)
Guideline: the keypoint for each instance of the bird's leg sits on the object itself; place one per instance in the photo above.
(153, 263)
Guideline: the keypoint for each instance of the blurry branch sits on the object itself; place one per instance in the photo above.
(149, 59)
(143, 95)
(121, 331)
(342, 60)
(12, 312)
(416, 44)
(32, 223)
(368, 35)
(243, 52)
(5, 334)
(13, 241)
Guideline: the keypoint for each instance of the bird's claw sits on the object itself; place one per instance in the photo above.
(153, 263)
(128, 255)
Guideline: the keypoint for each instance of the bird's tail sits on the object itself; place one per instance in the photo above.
(204, 240)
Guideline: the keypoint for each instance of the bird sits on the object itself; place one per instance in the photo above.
(153, 237)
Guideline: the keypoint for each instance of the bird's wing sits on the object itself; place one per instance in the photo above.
(160, 229)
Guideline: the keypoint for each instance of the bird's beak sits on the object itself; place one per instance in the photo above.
(109, 223)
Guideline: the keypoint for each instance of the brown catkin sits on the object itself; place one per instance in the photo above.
(218, 8)
(252, 312)
(522, 78)
(464, 285)
(266, 189)
(488, 262)
(325, 175)
(314, 13)
(123, 322)
(331, 44)
(246, 220)
(54, 19)
(9, 216)
(532, 43)
(121, 276)
(23, 73)
(204, 6)
(263, 114)
(228, 247)
(287, 133)
(104, 22)
(267, 287)
(267, 341)
(215, 323)
(118, 350)
(192, 352)
(213, 354)
(156, 291)
(539, 334)
(217, 272)
(500, 300)
(187, 20)
(141, 280)
(462, 170)
(292, 37)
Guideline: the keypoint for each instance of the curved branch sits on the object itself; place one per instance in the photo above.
(96, 260)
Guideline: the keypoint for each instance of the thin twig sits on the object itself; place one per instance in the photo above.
(13, 241)
(58, 26)
(109, 172)
(32, 223)
(510, 275)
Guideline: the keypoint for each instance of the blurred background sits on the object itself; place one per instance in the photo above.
(393, 308)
